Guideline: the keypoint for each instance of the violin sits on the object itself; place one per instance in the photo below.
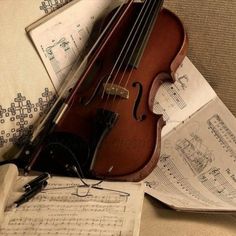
(106, 128)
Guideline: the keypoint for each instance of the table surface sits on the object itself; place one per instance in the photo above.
(159, 220)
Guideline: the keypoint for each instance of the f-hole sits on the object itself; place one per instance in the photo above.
(137, 102)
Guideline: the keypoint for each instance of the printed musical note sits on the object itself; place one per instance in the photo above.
(173, 181)
(195, 153)
(64, 39)
(217, 184)
(223, 134)
(58, 211)
(172, 90)
(159, 109)
(61, 55)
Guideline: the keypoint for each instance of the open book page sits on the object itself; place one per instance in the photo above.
(62, 37)
(178, 101)
(197, 170)
(8, 176)
(59, 211)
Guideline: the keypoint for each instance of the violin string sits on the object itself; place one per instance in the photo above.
(131, 72)
(131, 44)
(147, 19)
(134, 48)
(122, 50)
(63, 92)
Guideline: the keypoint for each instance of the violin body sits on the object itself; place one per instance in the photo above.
(112, 113)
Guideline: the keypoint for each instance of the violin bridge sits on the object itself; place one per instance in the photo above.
(116, 90)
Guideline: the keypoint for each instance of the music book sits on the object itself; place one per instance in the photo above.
(67, 207)
(196, 169)
(64, 37)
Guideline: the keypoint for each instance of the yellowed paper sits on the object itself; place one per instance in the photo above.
(180, 100)
(61, 38)
(196, 170)
(58, 211)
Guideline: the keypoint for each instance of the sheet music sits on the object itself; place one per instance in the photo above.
(178, 101)
(197, 170)
(59, 212)
(62, 39)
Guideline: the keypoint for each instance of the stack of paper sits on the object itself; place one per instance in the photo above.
(67, 208)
